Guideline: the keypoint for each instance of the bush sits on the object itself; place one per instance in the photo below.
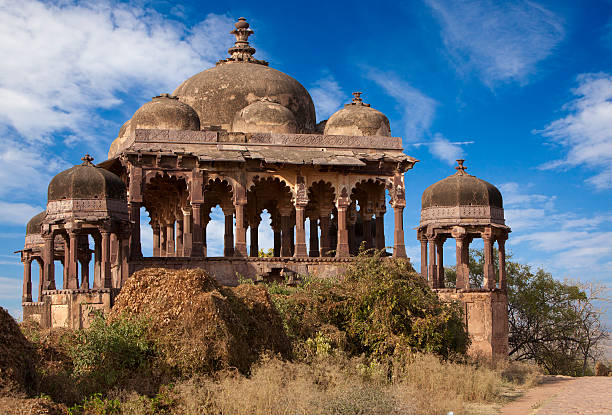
(380, 307)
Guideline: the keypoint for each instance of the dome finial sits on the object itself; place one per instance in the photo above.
(357, 100)
(87, 159)
(460, 168)
(242, 51)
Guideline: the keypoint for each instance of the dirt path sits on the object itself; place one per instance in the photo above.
(565, 395)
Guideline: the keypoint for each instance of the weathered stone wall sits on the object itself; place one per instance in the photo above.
(486, 317)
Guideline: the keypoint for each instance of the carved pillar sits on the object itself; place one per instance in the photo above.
(300, 231)
(241, 248)
(285, 235)
(187, 233)
(27, 281)
(314, 237)
(228, 240)
(106, 278)
(501, 243)
(84, 275)
(170, 249)
(431, 272)
(399, 250)
(342, 249)
(163, 235)
(41, 278)
(351, 220)
(197, 236)
(462, 279)
(179, 234)
(367, 230)
(156, 236)
(254, 225)
(325, 223)
(124, 246)
(380, 230)
(489, 270)
(48, 259)
(277, 243)
(98, 260)
(440, 262)
(205, 221)
(424, 257)
(73, 263)
(135, 245)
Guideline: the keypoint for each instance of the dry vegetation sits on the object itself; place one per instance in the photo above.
(375, 342)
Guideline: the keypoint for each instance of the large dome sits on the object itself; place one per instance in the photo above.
(218, 93)
(358, 119)
(86, 181)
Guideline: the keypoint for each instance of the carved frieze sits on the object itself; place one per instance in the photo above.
(439, 214)
(86, 208)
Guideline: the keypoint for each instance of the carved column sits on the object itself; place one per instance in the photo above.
(205, 222)
(73, 262)
(440, 262)
(162, 238)
(84, 275)
(501, 243)
(187, 233)
(170, 249)
(135, 245)
(424, 257)
(41, 278)
(27, 281)
(228, 240)
(351, 220)
(285, 234)
(254, 225)
(106, 278)
(367, 230)
(489, 270)
(156, 236)
(241, 248)
(277, 243)
(48, 259)
(342, 246)
(399, 249)
(179, 234)
(314, 237)
(431, 272)
(380, 230)
(197, 237)
(98, 260)
(462, 280)
(124, 246)
(300, 231)
(325, 223)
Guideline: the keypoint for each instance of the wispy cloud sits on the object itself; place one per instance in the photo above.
(415, 108)
(572, 244)
(500, 41)
(446, 150)
(17, 213)
(327, 96)
(10, 288)
(586, 131)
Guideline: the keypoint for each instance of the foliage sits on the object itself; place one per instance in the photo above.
(556, 324)
(110, 350)
(266, 253)
(380, 307)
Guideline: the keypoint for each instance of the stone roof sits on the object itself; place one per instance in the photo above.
(33, 226)
(86, 181)
(358, 119)
(461, 189)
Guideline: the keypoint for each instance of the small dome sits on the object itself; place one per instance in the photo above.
(218, 93)
(86, 181)
(118, 143)
(33, 226)
(358, 119)
(461, 189)
(264, 116)
(165, 112)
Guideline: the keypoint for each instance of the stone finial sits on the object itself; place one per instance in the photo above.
(357, 100)
(242, 51)
(87, 159)
(460, 168)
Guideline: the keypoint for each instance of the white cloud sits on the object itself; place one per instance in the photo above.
(10, 288)
(445, 149)
(68, 59)
(417, 109)
(17, 213)
(586, 131)
(327, 96)
(501, 41)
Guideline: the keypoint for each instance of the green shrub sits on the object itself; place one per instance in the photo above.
(379, 307)
(110, 350)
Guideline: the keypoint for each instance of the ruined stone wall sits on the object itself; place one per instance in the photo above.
(486, 318)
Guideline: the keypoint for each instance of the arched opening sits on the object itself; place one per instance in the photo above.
(217, 219)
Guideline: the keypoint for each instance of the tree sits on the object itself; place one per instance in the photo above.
(556, 324)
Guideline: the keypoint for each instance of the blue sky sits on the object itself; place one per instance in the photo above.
(522, 90)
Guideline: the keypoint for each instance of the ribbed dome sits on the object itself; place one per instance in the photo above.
(264, 116)
(86, 181)
(218, 93)
(119, 142)
(33, 226)
(165, 112)
(461, 189)
(358, 119)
